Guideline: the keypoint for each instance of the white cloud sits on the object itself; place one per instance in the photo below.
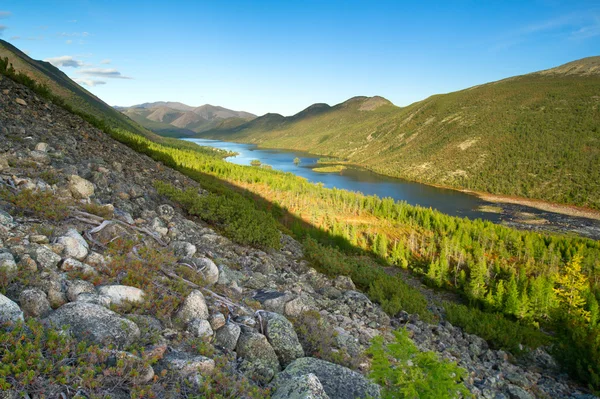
(104, 73)
(65, 61)
(5, 14)
(89, 82)
(106, 61)
(69, 41)
(27, 38)
(72, 21)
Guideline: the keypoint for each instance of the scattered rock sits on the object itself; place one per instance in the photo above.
(210, 271)
(42, 147)
(305, 386)
(193, 307)
(7, 263)
(44, 256)
(183, 249)
(80, 188)
(187, 365)
(227, 336)
(282, 337)
(34, 302)
(200, 328)
(259, 358)
(9, 311)
(77, 287)
(339, 382)
(217, 320)
(20, 101)
(95, 323)
(71, 264)
(96, 299)
(120, 294)
(74, 244)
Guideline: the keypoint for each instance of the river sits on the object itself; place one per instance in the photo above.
(450, 202)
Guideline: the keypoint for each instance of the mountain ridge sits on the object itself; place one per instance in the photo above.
(521, 136)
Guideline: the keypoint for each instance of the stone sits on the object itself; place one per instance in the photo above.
(6, 220)
(42, 147)
(305, 386)
(88, 321)
(34, 303)
(10, 312)
(227, 336)
(77, 287)
(20, 101)
(281, 335)
(186, 365)
(200, 328)
(515, 392)
(80, 188)
(71, 264)
(38, 239)
(193, 307)
(217, 320)
(120, 294)
(96, 299)
(260, 361)
(95, 259)
(44, 256)
(297, 306)
(166, 212)
(7, 263)
(74, 244)
(54, 291)
(344, 283)
(183, 249)
(210, 271)
(337, 381)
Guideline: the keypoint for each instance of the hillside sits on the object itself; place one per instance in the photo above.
(177, 119)
(535, 136)
(61, 85)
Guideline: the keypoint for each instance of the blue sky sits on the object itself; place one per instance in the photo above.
(282, 56)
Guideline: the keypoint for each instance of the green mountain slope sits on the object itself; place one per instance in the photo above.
(534, 136)
(61, 85)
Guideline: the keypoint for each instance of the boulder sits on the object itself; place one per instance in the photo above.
(200, 328)
(187, 365)
(208, 269)
(515, 392)
(6, 220)
(299, 305)
(227, 336)
(74, 244)
(71, 264)
(7, 263)
(260, 361)
(339, 382)
(344, 283)
(305, 386)
(193, 307)
(120, 294)
(88, 321)
(77, 287)
(9, 311)
(183, 249)
(90, 297)
(44, 256)
(34, 303)
(42, 147)
(217, 320)
(80, 188)
(282, 337)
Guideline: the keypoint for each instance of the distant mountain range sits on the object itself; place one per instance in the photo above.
(534, 136)
(176, 119)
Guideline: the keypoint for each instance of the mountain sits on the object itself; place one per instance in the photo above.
(535, 136)
(61, 85)
(177, 119)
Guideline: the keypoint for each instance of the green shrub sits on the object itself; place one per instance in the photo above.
(495, 328)
(43, 204)
(405, 372)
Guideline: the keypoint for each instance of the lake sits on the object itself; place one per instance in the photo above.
(450, 202)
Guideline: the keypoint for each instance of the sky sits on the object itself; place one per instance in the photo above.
(282, 56)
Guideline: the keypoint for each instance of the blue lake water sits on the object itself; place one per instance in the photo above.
(447, 201)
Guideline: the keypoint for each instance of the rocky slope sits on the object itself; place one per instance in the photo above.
(213, 310)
